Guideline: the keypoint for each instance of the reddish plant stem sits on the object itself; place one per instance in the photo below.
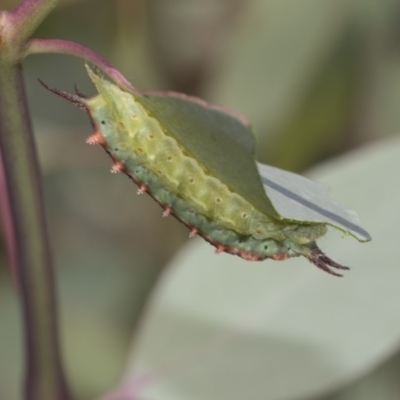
(8, 228)
(44, 374)
(59, 46)
(28, 16)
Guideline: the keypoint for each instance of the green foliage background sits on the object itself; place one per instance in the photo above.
(315, 78)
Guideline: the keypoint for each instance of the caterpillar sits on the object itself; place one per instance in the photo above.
(226, 206)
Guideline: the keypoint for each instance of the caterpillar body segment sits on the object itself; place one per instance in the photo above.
(200, 201)
(185, 176)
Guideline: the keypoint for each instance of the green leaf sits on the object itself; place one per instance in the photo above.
(219, 141)
(224, 145)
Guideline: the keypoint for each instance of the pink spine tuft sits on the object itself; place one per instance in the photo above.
(249, 256)
(280, 257)
(117, 167)
(167, 211)
(193, 232)
(219, 249)
(142, 189)
(96, 138)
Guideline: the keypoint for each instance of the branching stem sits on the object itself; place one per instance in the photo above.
(38, 46)
(23, 210)
(34, 270)
(28, 16)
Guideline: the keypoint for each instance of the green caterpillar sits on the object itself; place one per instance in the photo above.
(161, 165)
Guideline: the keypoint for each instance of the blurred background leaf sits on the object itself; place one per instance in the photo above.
(315, 78)
(219, 328)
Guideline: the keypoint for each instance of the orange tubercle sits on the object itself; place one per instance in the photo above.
(117, 167)
(96, 138)
(142, 189)
(249, 256)
(280, 257)
(193, 232)
(167, 212)
(219, 249)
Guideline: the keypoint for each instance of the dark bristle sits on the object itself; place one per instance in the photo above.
(321, 265)
(325, 259)
(73, 99)
(79, 93)
(332, 263)
(322, 261)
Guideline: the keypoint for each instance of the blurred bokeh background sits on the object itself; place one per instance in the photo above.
(316, 78)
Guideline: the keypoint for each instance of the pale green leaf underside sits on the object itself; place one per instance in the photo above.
(301, 199)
